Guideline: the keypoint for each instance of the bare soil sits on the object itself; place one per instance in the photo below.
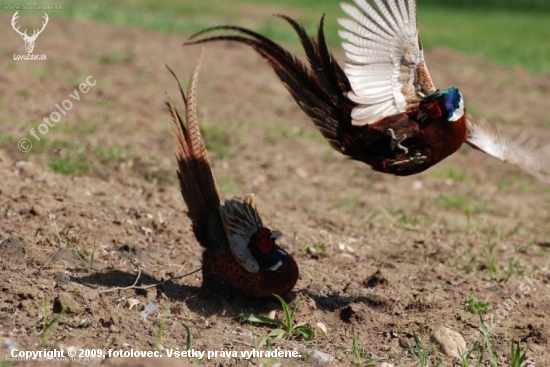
(392, 257)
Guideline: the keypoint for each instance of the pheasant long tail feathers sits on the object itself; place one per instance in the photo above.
(197, 182)
(319, 90)
(328, 75)
(289, 69)
(521, 151)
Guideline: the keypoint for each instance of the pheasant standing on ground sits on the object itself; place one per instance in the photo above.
(239, 251)
(383, 108)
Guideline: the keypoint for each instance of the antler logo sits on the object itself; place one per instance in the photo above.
(29, 40)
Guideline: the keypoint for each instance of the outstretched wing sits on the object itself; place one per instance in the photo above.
(520, 152)
(384, 58)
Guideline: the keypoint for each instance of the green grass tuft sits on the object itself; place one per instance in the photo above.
(287, 326)
(70, 164)
(113, 153)
(463, 204)
(475, 306)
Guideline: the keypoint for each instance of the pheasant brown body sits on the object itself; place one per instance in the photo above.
(423, 139)
(223, 269)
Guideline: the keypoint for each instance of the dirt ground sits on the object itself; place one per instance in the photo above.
(381, 258)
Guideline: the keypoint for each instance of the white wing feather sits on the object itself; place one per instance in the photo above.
(241, 220)
(383, 58)
(520, 152)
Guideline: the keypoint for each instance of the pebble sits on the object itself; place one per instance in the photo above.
(450, 342)
(321, 356)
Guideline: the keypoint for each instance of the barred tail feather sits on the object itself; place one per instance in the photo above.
(197, 182)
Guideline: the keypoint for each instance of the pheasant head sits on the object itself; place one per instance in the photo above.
(445, 104)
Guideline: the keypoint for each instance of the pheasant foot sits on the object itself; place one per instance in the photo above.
(396, 141)
(417, 159)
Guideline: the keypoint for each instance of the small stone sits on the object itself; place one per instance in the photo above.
(149, 309)
(450, 342)
(8, 344)
(146, 230)
(322, 327)
(131, 302)
(344, 247)
(418, 185)
(321, 356)
(20, 164)
(85, 322)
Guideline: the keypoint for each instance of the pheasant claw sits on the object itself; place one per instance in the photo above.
(417, 159)
(396, 141)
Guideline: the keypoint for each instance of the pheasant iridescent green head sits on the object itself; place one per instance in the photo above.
(447, 104)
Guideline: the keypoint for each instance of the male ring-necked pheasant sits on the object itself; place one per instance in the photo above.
(239, 251)
(383, 108)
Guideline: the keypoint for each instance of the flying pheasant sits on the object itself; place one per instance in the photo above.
(382, 108)
(239, 251)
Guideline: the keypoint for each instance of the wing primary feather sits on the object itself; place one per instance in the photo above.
(383, 32)
(388, 14)
(361, 24)
(404, 13)
(374, 14)
(412, 13)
